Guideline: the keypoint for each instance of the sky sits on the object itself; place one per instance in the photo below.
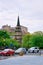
(30, 13)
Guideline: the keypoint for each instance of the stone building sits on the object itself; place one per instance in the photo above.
(16, 32)
(8, 28)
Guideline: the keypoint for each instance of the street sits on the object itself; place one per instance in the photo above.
(32, 54)
(23, 60)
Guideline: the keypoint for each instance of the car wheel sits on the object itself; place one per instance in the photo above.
(33, 51)
(21, 53)
(37, 51)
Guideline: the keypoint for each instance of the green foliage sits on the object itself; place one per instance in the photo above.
(31, 40)
(25, 40)
(4, 34)
(36, 40)
(28, 40)
(6, 41)
(11, 43)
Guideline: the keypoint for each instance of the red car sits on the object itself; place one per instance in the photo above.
(7, 52)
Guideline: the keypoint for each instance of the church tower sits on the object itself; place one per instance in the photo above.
(18, 32)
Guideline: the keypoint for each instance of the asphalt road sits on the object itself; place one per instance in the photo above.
(33, 54)
(23, 60)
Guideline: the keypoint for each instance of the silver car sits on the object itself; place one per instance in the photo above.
(33, 50)
(20, 50)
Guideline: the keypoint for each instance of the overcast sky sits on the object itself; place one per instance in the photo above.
(29, 11)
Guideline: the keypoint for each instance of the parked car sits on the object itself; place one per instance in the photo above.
(33, 50)
(7, 52)
(20, 50)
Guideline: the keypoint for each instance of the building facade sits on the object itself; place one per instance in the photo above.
(16, 32)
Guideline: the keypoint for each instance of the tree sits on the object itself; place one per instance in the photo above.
(11, 43)
(25, 40)
(6, 41)
(36, 40)
(4, 34)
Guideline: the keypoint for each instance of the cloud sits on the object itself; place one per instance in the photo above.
(30, 12)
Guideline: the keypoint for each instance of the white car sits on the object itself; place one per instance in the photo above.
(18, 51)
(33, 50)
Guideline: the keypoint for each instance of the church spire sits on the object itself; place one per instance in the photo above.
(18, 22)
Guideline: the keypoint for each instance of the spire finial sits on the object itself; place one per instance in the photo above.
(18, 22)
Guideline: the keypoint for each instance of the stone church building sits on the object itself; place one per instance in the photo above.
(16, 32)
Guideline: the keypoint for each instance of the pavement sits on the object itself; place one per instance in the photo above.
(23, 60)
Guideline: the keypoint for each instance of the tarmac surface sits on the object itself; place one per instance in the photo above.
(23, 60)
